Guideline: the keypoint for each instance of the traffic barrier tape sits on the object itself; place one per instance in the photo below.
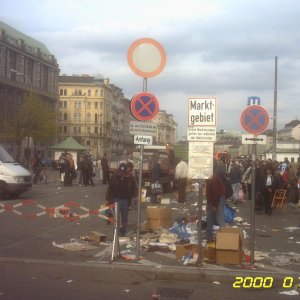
(56, 210)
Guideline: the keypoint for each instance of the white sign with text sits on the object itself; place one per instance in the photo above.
(202, 134)
(202, 111)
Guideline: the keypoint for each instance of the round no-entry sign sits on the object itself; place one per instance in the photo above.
(146, 57)
(144, 106)
(255, 119)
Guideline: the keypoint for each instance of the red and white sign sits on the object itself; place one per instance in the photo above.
(146, 57)
(255, 119)
(144, 106)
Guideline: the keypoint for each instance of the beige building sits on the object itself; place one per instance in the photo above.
(166, 127)
(85, 111)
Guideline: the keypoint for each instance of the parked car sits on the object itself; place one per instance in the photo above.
(14, 179)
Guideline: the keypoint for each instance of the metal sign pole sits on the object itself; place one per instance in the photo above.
(138, 228)
(200, 201)
(253, 196)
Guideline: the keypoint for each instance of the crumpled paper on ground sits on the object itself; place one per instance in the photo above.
(74, 246)
(280, 261)
(290, 293)
(168, 238)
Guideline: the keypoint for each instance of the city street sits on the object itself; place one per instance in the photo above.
(32, 261)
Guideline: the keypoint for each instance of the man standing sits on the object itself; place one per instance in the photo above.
(215, 194)
(120, 190)
(181, 174)
(105, 169)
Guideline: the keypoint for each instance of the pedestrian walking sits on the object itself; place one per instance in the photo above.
(87, 167)
(105, 169)
(215, 194)
(268, 190)
(181, 175)
(235, 178)
(80, 169)
(155, 185)
(120, 190)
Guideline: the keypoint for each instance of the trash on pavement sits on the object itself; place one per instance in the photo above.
(280, 261)
(129, 255)
(75, 246)
(124, 240)
(98, 236)
(216, 282)
(292, 228)
(158, 217)
(275, 229)
(69, 281)
(168, 238)
(165, 201)
(291, 238)
(126, 291)
(289, 293)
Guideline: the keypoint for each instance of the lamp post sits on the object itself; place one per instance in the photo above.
(275, 114)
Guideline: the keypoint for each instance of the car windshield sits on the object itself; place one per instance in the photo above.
(4, 156)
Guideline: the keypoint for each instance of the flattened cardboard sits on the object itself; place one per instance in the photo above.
(182, 250)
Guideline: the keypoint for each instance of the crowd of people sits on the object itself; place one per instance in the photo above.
(269, 176)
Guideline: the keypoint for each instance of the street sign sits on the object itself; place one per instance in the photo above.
(144, 106)
(202, 111)
(200, 160)
(255, 119)
(143, 128)
(253, 100)
(201, 134)
(252, 139)
(143, 140)
(146, 57)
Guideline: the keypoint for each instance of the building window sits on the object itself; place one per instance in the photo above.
(77, 104)
(88, 143)
(76, 92)
(65, 104)
(96, 105)
(75, 117)
(96, 129)
(89, 93)
(96, 93)
(65, 92)
(88, 129)
(65, 117)
(79, 117)
(79, 129)
(88, 118)
(292, 159)
(101, 91)
(79, 92)
(65, 129)
(75, 130)
(61, 92)
(96, 118)
(89, 105)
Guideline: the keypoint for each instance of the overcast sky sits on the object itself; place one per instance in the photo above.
(220, 48)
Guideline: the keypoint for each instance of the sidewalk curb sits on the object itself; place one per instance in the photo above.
(127, 273)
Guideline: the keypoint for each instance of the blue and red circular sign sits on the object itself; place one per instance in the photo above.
(255, 119)
(144, 106)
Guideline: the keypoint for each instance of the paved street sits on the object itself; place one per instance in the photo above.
(29, 247)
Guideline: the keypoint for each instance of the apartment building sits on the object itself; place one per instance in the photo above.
(26, 65)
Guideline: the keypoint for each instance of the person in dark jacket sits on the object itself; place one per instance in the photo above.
(155, 178)
(268, 189)
(87, 167)
(235, 178)
(105, 169)
(215, 194)
(120, 190)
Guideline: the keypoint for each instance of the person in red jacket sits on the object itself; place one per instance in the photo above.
(215, 194)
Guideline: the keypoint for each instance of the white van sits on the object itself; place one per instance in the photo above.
(14, 179)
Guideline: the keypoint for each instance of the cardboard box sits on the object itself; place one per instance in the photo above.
(208, 253)
(158, 213)
(98, 236)
(158, 217)
(229, 243)
(156, 224)
(182, 250)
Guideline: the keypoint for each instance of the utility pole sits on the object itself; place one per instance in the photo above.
(275, 114)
